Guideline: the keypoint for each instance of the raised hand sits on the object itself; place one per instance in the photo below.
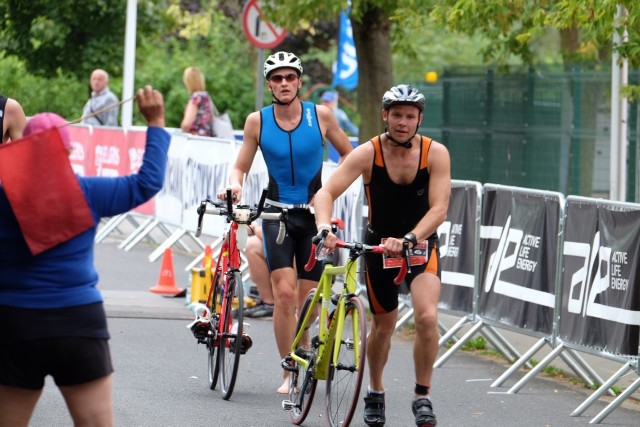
(151, 106)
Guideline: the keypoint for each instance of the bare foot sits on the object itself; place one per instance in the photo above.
(284, 388)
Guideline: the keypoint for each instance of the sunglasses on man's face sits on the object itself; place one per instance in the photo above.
(288, 77)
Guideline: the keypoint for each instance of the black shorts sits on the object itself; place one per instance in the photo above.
(70, 361)
(381, 291)
(301, 228)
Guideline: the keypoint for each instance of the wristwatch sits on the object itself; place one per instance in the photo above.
(411, 238)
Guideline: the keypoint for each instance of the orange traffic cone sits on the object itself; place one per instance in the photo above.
(167, 282)
(208, 255)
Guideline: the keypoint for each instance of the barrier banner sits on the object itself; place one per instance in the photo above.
(196, 170)
(81, 157)
(519, 246)
(600, 280)
(108, 152)
(457, 236)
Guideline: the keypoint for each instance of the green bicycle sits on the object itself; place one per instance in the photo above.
(330, 343)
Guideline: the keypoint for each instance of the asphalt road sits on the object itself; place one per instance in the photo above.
(161, 376)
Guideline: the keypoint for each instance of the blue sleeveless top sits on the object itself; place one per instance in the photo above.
(293, 158)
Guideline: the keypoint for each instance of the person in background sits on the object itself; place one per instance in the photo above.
(259, 270)
(52, 319)
(291, 135)
(198, 114)
(101, 98)
(330, 100)
(12, 119)
(407, 179)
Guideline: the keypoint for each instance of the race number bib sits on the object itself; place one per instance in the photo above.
(418, 256)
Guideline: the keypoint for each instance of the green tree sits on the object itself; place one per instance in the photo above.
(70, 35)
(586, 29)
(585, 26)
(199, 34)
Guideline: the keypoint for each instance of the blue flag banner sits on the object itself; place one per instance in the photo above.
(345, 72)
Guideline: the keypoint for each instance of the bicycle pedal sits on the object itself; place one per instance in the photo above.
(288, 405)
(287, 364)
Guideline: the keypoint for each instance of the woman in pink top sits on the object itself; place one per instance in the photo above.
(198, 114)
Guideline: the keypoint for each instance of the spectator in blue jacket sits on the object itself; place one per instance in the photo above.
(52, 319)
(330, 99)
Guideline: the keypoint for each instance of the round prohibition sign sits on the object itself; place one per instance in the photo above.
(260, 32)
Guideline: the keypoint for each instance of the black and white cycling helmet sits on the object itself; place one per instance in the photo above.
(403, 94)
(282, 60)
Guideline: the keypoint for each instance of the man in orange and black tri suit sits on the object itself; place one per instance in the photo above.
(407, 180)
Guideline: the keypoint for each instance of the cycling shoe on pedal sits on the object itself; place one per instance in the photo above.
(247, 342)
(374, 409)
(423, 411)
(201, 326)
(201, 330)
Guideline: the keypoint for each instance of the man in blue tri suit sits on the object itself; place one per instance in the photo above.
(291, 134)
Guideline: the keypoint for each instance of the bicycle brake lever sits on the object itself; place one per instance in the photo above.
(406, 265)
(201, 210)
(407, 255)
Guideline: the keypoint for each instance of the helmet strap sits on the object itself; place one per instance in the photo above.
(406, 144)
(278, 102)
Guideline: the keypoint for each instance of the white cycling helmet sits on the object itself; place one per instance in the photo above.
(403, 94)
(281, 60)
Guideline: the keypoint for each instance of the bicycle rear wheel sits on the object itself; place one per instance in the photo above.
(345, 378)
(302, 384)
(231, 341)
(213, 366)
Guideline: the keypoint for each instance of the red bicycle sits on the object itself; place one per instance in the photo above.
(222, 327)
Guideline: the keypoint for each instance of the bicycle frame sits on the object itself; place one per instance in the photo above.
(228, 262)
(329, 336)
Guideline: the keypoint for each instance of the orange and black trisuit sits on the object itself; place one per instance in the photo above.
(394, 209)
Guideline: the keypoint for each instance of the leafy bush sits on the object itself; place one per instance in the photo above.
(62, 93)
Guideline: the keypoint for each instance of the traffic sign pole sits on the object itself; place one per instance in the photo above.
(260, 79)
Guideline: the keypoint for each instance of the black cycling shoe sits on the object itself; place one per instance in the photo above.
(374, 409)
(423, 411)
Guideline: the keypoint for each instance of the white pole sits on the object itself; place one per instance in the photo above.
(128, 78)
(260, 80)
(619, 118)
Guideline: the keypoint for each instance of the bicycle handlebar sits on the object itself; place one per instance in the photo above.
(241, 214)
(356, 249)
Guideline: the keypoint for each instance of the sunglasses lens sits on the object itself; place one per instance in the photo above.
(289, 78)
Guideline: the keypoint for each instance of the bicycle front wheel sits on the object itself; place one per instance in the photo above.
(231, 340)
(345, 377)
(213, 366)
(302, 384)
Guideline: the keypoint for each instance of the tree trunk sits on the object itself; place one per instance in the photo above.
(375, 72)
